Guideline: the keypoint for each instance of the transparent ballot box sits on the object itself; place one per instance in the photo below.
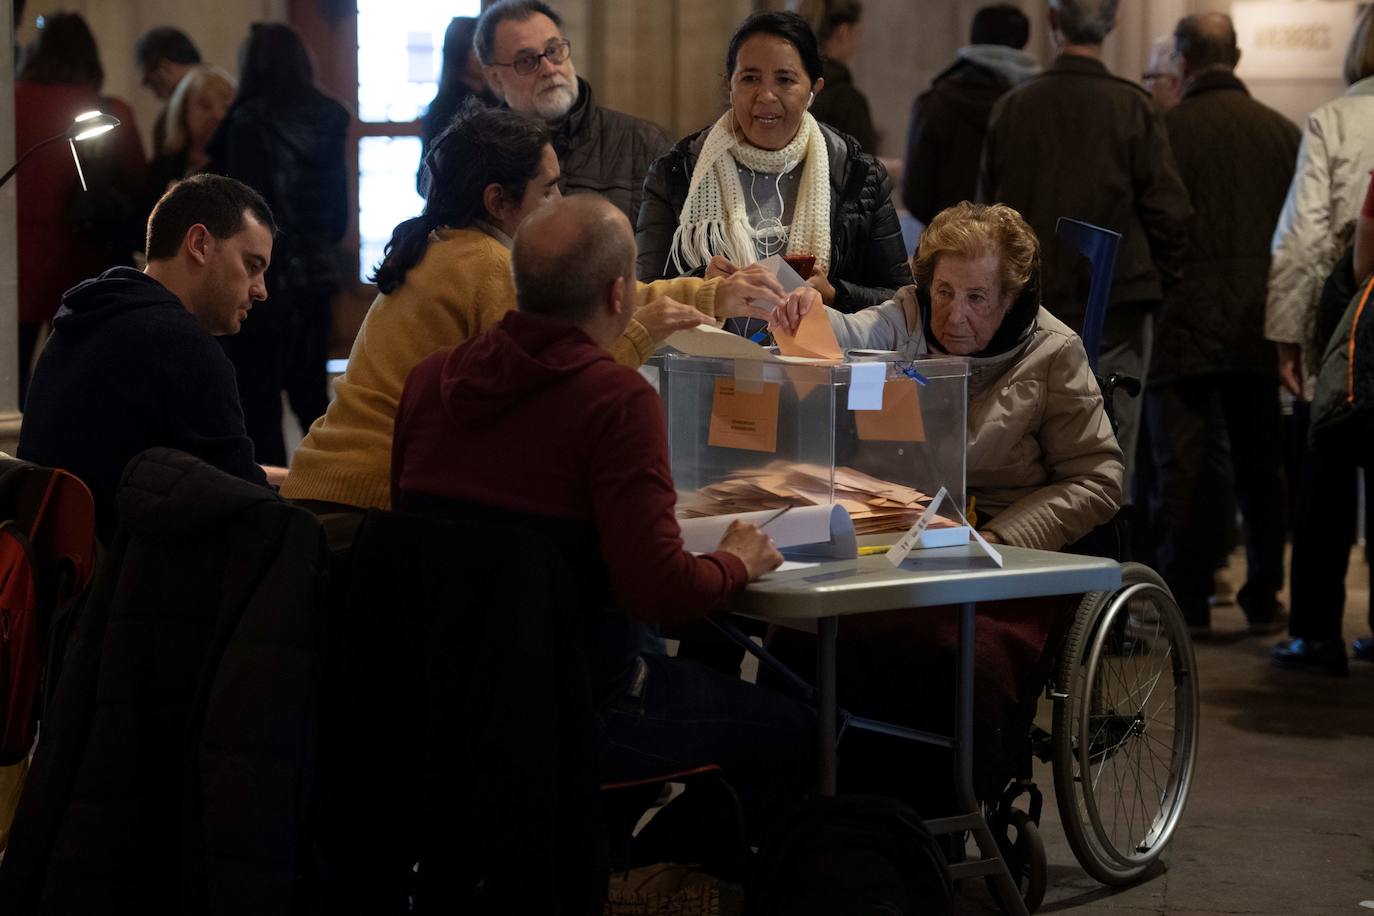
(878, 438)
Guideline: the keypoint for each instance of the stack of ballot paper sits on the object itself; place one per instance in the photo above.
(875, 505)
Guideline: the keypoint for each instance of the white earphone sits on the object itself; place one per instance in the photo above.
(809, 99)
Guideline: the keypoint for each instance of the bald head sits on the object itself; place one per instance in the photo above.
(568, 255)
(1206, 41)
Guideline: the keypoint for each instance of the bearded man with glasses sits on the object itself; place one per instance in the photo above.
(528, 62)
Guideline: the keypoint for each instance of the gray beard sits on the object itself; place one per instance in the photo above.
(555, 106)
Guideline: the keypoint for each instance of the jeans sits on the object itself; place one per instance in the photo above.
(677, 715)
(1194, 529)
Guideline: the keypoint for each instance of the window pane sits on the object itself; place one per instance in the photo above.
(400, 49)
(386, 193)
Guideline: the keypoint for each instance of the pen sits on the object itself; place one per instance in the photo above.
(773, 518)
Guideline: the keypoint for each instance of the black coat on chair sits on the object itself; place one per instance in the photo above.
(171, 773)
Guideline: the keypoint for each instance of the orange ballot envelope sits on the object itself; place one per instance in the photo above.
(900, 417)
(744, 419)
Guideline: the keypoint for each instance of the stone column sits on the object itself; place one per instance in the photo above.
(9, 283)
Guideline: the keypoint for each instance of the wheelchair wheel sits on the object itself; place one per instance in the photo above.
(1025, 855)
(1125, 726)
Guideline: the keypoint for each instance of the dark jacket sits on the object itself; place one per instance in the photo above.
(292, 153)
(945, 138)
(172, 772)
(607, 152)
(868, 261)
(128, 368)
(841, 105)
(1077, 141)
(1236, 157)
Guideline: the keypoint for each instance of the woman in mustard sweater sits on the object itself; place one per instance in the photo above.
(446, 277)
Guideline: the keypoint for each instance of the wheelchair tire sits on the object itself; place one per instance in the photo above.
(1125, 726)
(1025, 856)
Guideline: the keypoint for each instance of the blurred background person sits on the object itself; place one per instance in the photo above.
(460, 78)
(67, 234)
(1081, 142)
(194, 114)
(1213, 384)
(285, 139)
(164, 56)
(950, 119)
(1315, 230)
(838, 24)
(767, 179)
(1163, 76)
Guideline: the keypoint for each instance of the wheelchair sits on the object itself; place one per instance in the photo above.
(1122, 744)
(1124, 729)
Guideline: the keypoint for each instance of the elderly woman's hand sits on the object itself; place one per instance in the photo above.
(821, 284)
(749, 292)
(799, 302)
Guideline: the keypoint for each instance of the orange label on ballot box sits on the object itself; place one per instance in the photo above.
(900, 418)
(744, 419)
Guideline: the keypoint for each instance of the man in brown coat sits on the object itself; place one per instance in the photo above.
(1211, 360)
(1077, 141)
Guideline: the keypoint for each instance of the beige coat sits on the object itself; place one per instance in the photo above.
(1318, 219)
(1043, 462)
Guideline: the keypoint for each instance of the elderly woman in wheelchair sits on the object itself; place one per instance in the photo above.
(1043, 471)
(1043, 462)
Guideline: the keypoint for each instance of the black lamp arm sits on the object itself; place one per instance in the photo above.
(31, 150)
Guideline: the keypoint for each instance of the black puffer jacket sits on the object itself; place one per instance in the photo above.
(292, 153)
(1213, 321)
(868, 260)
(173, 771)
(607, 152)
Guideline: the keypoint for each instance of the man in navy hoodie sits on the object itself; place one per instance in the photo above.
(133, 362)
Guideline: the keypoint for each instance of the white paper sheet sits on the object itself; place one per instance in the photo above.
(866, 382)
(788, 278)
(799, 526)
(714, 343)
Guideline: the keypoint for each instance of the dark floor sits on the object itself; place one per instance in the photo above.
(1281, 815)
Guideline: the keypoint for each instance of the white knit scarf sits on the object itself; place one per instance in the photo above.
(714, 219)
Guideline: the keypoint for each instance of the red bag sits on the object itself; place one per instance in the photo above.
(21, 658)
(47, 557)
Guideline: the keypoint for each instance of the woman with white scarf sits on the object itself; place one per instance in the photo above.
(767, 179)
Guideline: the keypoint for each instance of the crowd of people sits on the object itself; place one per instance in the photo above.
(562, 242)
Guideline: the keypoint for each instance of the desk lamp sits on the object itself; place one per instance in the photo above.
(84, 127)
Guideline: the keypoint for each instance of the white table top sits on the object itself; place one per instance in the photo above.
(947, 575)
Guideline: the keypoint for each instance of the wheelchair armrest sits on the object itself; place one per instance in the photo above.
(1112, 381)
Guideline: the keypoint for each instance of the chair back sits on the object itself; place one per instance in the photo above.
(457, 726)
(49, 518)
(1099, 246)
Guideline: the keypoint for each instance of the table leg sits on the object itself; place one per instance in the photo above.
(963, 756)
(827, 629)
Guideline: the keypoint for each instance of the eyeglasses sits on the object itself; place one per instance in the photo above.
(526, 62)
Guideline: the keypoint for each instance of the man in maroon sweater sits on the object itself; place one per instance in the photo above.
(536, 420)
